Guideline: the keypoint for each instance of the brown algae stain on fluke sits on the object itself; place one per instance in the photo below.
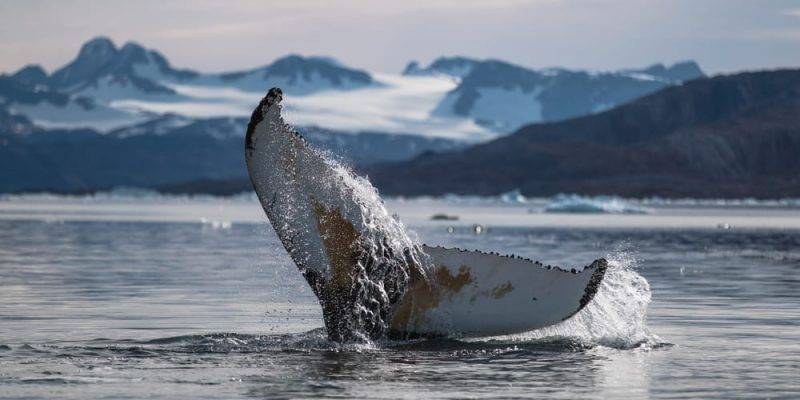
(337, 294)
(340, 238)
(501, 290)
(453, 284)
(423, 295)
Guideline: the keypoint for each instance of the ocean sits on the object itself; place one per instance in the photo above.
(136, 295)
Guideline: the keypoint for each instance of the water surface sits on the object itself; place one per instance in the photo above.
(165, 298)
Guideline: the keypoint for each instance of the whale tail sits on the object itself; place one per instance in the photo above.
(371, 279)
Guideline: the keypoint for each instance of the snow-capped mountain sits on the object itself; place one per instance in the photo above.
(108, 87)
(679, 72)
(31, 75)
(729, 136)
(503, 96)
(456, 67)
(299, 75)
(103, 71)
(82, 92)
(26, 93)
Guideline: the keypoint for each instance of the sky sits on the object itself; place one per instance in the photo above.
(213, 36)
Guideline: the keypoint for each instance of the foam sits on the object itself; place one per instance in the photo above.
(616, 317)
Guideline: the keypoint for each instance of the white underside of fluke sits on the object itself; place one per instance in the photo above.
(484, 294)
(371, 278)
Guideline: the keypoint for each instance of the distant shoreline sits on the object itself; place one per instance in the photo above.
(227, 189)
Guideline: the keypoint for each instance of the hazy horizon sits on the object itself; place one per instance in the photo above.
(722, 36)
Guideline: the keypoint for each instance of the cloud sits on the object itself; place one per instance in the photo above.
(794, 12)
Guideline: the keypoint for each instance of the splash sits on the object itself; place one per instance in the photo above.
(386, 258)
(355, 256)
(617, 317)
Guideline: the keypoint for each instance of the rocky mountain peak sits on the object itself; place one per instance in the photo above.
(31, 75)
(678, 72)
(93, 57)
(98, 48)
(329, 69)
(457, 67)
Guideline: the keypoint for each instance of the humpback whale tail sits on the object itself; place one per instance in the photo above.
(371, 279)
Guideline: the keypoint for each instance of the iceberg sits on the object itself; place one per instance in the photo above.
(573, 203)
(514, 196)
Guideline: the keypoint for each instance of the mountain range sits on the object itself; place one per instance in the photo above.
(100, 68)
(124, 116)
(727, 136)
(502, 96)
(106, 87)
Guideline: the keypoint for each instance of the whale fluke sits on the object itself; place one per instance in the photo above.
(371, 279)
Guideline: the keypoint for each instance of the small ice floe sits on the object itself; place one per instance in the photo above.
(459, 199)
(444, 217)
(514, 196)
(216, 224)
(573, 203)
(124, 193)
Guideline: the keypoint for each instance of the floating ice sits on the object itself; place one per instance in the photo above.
(514, 196)
(573, 203)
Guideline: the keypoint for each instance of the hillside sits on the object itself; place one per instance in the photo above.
(726, 136)
(165, 151)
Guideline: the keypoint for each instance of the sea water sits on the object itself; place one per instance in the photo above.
(139, 296)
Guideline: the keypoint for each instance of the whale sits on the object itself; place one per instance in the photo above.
(372, 280)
